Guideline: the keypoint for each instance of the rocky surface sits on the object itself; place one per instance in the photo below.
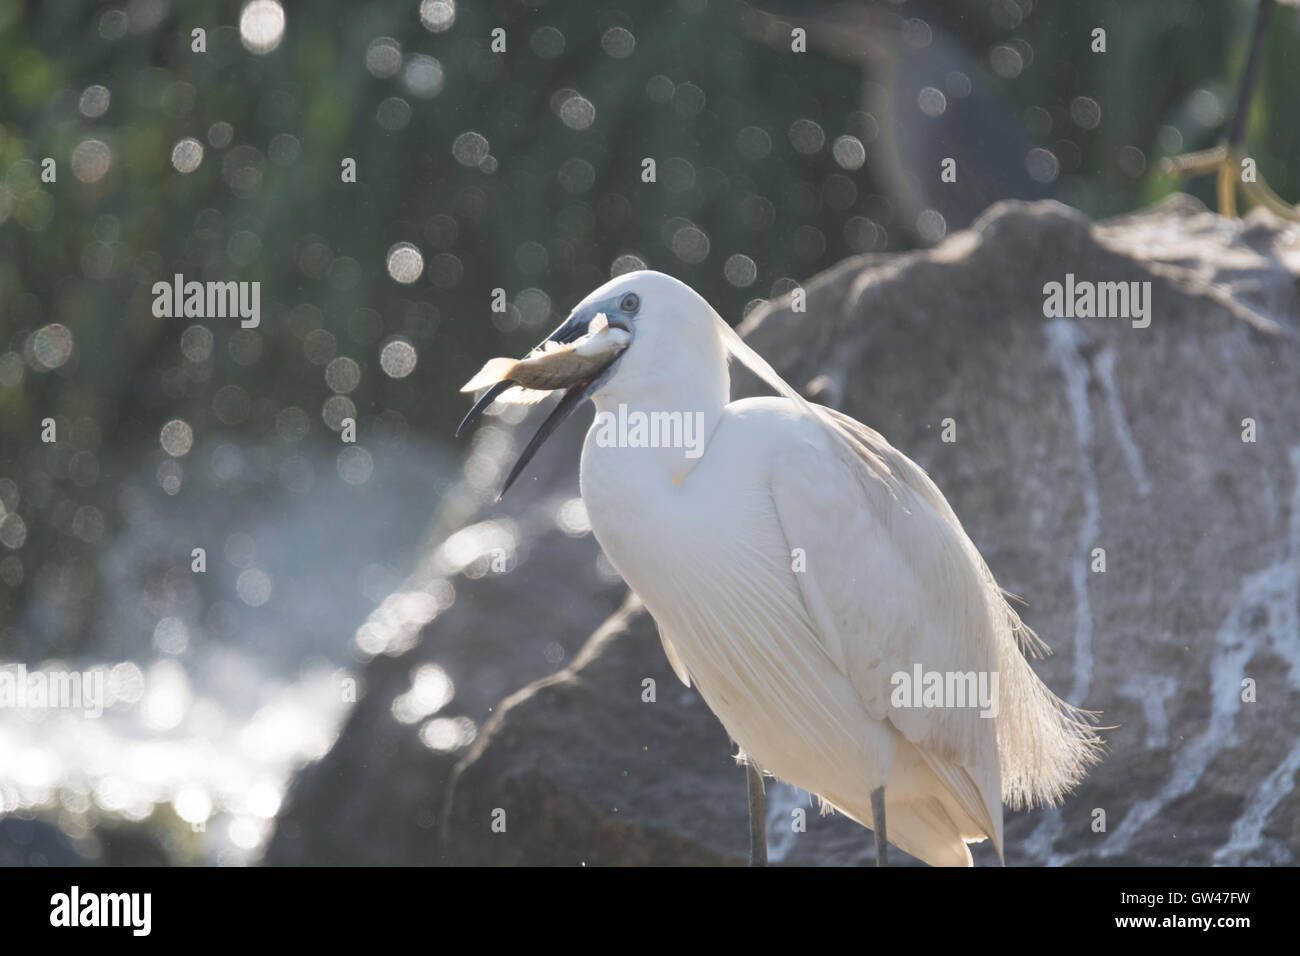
(1071, 435)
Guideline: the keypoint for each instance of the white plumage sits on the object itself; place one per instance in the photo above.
(797, 664)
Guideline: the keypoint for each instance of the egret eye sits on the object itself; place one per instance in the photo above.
(631, 302)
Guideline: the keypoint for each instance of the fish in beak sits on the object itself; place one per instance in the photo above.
(575, 357)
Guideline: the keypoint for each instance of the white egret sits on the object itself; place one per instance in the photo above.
(801, 570)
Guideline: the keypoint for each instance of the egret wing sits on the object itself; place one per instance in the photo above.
(890, 584)
(1044, 744)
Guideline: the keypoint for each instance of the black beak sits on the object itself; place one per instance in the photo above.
(573, 397)
(482, 404)
(574, 327)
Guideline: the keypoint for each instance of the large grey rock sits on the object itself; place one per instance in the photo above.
(1071, 434)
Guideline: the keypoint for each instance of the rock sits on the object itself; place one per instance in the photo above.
(40, 842)
(374, 798)
(36, 843)
(1070, 435)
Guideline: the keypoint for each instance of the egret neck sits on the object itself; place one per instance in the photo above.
(653, 430)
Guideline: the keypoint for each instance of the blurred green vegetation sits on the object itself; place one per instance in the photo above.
(703, 87)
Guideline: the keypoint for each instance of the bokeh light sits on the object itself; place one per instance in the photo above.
(261, 26)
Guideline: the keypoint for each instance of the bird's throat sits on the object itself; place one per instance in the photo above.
(650, 443)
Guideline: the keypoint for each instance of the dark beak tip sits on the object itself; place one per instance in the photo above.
(482, 404)
(572, 398)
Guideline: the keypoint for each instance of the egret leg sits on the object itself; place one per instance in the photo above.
(757, 816)
(878, 824)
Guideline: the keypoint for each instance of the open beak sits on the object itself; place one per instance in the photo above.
(574, 327)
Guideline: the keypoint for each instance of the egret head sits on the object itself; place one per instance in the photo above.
(674, 338)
